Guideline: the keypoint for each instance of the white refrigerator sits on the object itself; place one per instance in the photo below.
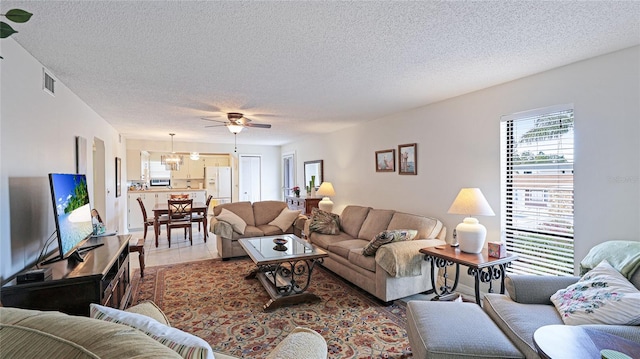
(217, 182)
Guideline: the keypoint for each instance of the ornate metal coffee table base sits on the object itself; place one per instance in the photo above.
(286, 283)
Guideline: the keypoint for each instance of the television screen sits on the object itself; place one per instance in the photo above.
(71, 209)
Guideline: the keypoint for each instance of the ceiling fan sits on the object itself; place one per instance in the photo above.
(236, 122)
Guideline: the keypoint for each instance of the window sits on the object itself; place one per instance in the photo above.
(537, 190)
(288, 173)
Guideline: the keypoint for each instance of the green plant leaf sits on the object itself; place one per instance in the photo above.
(18, 15)
(6, 30)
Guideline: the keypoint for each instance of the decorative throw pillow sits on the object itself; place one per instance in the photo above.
(285, 219)
(324, 222)
(183, 343)
(238, 224)
(151, 310)
(602, 296)
(385, 237)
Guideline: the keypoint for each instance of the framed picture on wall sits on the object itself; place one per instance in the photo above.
(118, 176)
(386, 160)
(408, 158)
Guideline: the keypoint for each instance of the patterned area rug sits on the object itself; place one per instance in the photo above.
(212, 300)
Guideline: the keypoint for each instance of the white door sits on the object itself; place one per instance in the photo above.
(249, 177)
(288, 173)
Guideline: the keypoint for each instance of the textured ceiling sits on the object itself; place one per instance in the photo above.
(154, 67)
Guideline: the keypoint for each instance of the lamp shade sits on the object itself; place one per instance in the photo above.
(326, 189)
(471, 202)
(235, 129)
(470, 233)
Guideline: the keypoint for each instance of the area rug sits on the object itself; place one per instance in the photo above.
(212, 300)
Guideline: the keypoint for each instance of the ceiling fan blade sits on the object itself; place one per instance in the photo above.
(221, 125)
(258, 125)
(212, 120)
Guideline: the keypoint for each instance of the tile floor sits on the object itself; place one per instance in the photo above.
(181, 249)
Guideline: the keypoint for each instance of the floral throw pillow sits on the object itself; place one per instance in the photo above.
(385, 237)
(324, 222)
(601, 296)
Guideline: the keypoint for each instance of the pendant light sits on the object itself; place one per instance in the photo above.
(173, 161)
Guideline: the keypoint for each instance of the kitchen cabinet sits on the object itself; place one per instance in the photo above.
(217, 161)
(191, 169)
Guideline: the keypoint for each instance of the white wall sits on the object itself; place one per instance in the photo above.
(459, 146)
(37, 136)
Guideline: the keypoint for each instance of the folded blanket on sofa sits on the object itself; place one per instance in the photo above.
(622, 255)
(403, 259)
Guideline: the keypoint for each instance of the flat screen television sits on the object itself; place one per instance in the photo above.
(72, 212)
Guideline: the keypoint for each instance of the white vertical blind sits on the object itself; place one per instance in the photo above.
(537, 190)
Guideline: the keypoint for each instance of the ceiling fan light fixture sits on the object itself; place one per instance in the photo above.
(194, 156)
(235, 129)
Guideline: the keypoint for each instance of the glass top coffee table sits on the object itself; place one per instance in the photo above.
(284, 266)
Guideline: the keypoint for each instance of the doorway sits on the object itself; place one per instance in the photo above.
(288, 173)
(250, 168)
(99, 185)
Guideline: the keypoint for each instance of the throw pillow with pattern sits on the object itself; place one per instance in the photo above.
(385, 237)
(601, 296)
(324, 222)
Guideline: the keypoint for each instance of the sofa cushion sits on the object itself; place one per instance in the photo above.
(427, 227)
(356, 257)
(602, 296)
(237, 223)
(266, 211)
(325, 240)
(352, 218)
(324, 222)
(21, 342)
(243, 209)
(249, 231)
(269, 230)
(285, 219)
(343, 248)
(377, 221)
(94, 335)
(183, 343)
(385, 237)
(622, 255)
(519, 321)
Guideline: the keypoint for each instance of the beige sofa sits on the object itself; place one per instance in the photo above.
(397, 270)
(39, 334)
(257, 216)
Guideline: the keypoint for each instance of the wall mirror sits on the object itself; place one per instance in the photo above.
(313, 168)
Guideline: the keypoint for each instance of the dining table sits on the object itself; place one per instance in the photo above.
(163, 208)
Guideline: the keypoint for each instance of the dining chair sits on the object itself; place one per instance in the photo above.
(199, 217)
(150, 221)
(180, 216)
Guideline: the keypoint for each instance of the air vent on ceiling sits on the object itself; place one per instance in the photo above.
(48, 82)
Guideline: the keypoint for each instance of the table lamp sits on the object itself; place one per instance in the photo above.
(470, 233)
(326, 190)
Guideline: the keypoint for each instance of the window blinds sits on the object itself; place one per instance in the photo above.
(537, 191)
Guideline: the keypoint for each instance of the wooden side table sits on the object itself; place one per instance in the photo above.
(482, 267)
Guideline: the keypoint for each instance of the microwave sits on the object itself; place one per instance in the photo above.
(160, 182)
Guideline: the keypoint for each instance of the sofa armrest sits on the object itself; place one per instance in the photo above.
(299, 224)
(535, 289)
(300, 343)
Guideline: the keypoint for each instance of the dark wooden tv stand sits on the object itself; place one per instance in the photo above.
(102, 278)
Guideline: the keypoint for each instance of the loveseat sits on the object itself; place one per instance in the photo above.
(232, 221)
(397, 269)
(39, 334)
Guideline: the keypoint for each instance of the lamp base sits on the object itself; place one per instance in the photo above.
(326, 205)
(471, 235)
